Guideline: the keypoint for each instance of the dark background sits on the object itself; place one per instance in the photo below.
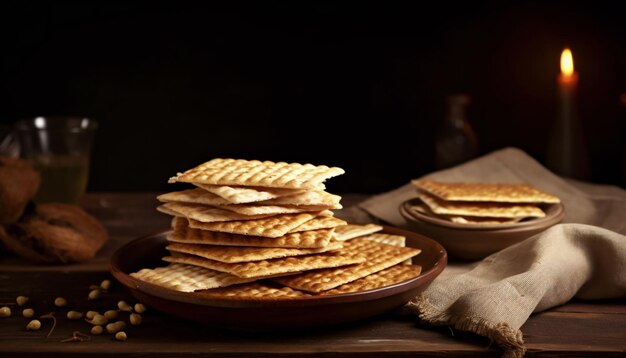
(356, 85)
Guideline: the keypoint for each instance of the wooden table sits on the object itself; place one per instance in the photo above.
(577, 328)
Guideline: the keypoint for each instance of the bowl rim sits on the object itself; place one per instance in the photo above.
(426, 276)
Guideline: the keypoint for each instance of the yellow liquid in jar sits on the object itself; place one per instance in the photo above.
(63, 178)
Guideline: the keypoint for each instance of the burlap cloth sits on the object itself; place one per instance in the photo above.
(584, 257)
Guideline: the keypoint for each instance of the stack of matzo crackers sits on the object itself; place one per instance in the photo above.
(482, 203)
(252, 229)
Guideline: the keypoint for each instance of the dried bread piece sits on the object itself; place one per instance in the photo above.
(378, 257)
(187, 278)
(194, 196)
(233, 254)
(272, 267)
(320, 222)
(507, 193)
(350, 231)
(207, 214)
(387, 277)
(308, 239)
(254, 291)
(55, 233)
(308, 198)
(496, 210)
(273, 226)
(242, 172)
(19, 183)
(243, 195)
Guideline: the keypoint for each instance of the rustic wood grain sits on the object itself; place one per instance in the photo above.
(578, 328)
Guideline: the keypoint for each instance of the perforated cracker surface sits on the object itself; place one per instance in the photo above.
(496, 210)
(308, 239)
(378, 257)
(308, 197)
(187, 278)
(351, 231)
(387, 277)
(242, 195)
(274, 266)
(245, 254)
(196, 196)
(256, 173)
(393, 240)
(253, 291)
(482, 220)
(208, 214)
(509, 193)
(320, 222)
(273, 226)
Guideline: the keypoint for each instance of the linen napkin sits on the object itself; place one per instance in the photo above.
(584, 257)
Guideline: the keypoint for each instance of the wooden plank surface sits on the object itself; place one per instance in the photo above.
(577, 328)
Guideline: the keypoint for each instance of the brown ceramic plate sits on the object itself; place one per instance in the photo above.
(263, 314)
(477, 241)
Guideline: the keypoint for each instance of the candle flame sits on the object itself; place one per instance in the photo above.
(567, 62)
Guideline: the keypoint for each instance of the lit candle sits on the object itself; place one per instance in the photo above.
(566, 150)
(568, 79)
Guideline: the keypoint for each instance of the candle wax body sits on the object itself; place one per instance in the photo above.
(566, 149)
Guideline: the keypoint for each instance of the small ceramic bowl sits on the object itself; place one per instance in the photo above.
(476, 241)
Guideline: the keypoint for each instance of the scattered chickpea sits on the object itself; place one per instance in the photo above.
(33, 325)
(74, 315)
(98, 320)
(121, 336)
(105, 285)
(123, 306)
(96, 330)
(60, 302)
(28, 312)
(21, 300)
(135, 319)
(112, 328)
(93, 294)
(90, 314)
(111, 314)
(115, 327)
(5, 311)
(140, 308)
